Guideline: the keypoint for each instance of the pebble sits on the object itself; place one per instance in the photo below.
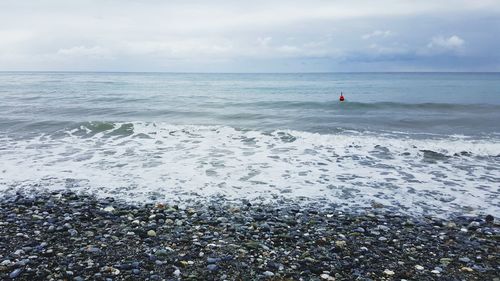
(388, 272)
(151, 233)
(383, 227)
(18, 253)
(213, 260)
(445, 261)
(300, 242)
(359, 229)
(340, 243)
(489, 218)
(327, 277)
(15, 273)
(268, 273)
(177, 272)
(474, 224)
(464, 259)
(212, 267)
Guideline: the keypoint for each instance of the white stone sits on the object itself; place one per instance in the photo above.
(326, 277)
(388, 272)
(268, 273)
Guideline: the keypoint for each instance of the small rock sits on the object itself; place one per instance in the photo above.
(489, 218)
(388, 272)
(15, 273)
(112, 270)
(18, 253)
(383, 227)
(92, 249)
(340, 243)
(445, 261)
(464, 259)
(327, 277)
(161, 253)
(359, 229)
(419, 267)
(151, 233)
(213, 260)
(109, 209)
(467, 269)
(212, 267)
(268, 273)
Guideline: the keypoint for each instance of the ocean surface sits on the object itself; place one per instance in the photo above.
(416, 142)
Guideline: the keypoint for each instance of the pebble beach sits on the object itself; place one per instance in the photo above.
(63, 235)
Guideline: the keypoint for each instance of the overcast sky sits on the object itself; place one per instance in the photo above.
(250, 36)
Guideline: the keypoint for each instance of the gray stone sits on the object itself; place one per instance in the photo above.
(464, 259)
(15, 273)
(268, 273)
(212, 267)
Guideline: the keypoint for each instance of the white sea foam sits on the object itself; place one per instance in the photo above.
(161, 162)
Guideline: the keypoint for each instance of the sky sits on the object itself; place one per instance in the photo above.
(250, 36)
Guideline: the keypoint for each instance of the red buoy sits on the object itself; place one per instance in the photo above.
(341, 97)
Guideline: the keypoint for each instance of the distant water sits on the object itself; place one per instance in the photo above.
(419, 142)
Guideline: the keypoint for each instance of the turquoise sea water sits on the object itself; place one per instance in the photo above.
(414, 141)
(439, 103)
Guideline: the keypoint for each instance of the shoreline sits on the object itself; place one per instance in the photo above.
(64, 235)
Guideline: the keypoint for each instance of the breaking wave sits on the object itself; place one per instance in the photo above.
(158, 161)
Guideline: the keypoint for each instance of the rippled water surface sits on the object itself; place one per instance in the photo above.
(416, 142)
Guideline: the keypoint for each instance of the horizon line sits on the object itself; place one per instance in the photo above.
(309, 72)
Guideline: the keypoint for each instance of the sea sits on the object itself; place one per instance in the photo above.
(419, 143)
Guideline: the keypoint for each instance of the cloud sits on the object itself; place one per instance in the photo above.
(377, 33)
(127, 35)
(441, 45)
(451, 43)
